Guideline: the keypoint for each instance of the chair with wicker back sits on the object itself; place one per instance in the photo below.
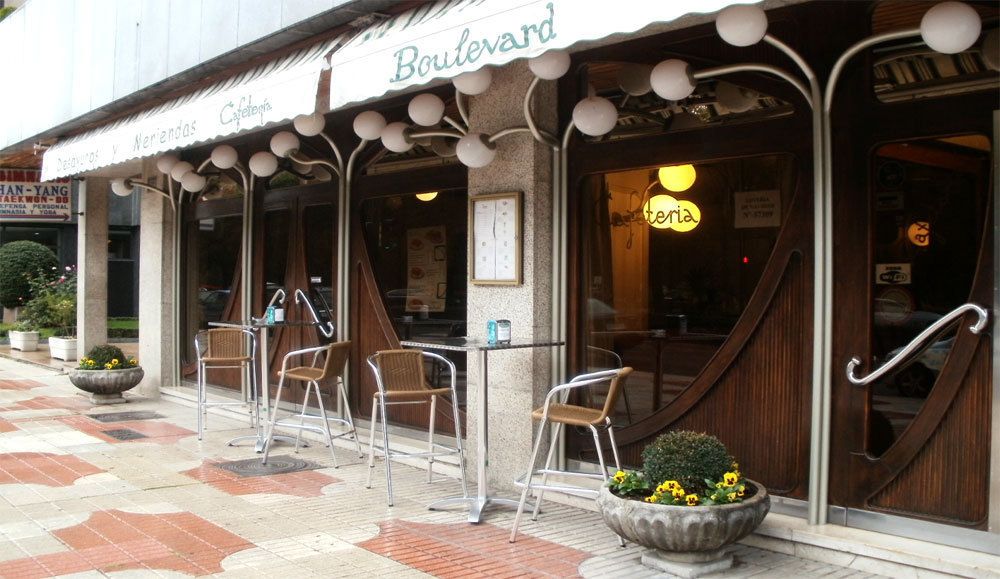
(558, 412)
(334, 360)
(222, 348)
(401, 379)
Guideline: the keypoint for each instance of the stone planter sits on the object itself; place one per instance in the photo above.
(106, 386)
(24, 341)
(684, 541)
(62, 348)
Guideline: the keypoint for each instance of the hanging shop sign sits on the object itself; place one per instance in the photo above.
(270, 93)
(757, 209)
(24, 198)
(444, 39)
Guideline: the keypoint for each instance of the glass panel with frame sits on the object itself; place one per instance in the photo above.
(667, 273)
(928, 212)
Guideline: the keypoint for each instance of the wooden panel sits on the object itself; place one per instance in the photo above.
(949, 476)
(756, 407)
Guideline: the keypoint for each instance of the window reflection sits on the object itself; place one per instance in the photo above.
(669, 267)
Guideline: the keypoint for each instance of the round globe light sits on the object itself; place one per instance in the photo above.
(991, 49)
(443, 147)
(368, 125)
(394, 137)
(634, 79)
(309, 125)
(427, 196)
(474, 150)
(473, 83)
(950, 27)
(224, 157)
(180, 169)
(193, 182)
(263, 164)
(426, 109)
(595, 116)
(734, 98)
(166, 162)
(121, 187)
(672, 80)
(742, 25)
(284, 143)
(550, 66)
(677, 178)
(657, 210)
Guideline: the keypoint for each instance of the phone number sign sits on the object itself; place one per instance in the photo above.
(31, 202)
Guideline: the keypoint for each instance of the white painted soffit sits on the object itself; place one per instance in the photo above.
(270, 93)
(443, 39)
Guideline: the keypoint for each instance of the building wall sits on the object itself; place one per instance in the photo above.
(74, 57)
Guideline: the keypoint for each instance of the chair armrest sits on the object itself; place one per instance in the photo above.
(581, 381)
(315, 351)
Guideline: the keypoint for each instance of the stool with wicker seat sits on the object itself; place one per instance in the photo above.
(334, 358)
(557, 411)
(222, 348)
(401, 379)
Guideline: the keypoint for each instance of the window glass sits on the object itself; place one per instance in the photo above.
(276, 238)
(320, 233)
(217, 256)
(929, 206)
(669, 265)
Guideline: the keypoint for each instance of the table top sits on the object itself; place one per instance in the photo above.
(467, 344)
(253, 324)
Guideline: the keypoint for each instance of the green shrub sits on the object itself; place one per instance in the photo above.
(105, 353)
(18, 261)
(53, 304)
(686, 457)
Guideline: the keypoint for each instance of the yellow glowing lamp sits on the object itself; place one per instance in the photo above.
(666, 212)
(677, 178)
(919, 233)
(688, 216)
(427, 196)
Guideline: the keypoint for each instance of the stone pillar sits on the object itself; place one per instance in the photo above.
(92, 264)
(518, 379)
(156, 339)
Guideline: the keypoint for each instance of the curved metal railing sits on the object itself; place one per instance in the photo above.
(915, 343)
(324, 328)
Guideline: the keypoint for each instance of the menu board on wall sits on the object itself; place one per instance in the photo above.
(495, 243)
(426, 269)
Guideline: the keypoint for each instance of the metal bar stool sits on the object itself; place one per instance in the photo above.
(616, 364)
(222, 348)
(556, 410)
(401, 379)
(335, 361)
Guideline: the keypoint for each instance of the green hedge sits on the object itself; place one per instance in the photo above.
(18, 260)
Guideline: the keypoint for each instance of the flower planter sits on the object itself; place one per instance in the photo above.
(684, 541)
(24, 341)
(62, 348)
(106, 386)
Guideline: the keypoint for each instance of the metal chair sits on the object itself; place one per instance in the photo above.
(400, 377)
(335, 360)
(222, 348)
(615, 364)
(556, 410)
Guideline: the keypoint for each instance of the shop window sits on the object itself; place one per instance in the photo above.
(670, 259)
(216, 254)
(320, 266)
(276, 241)
(220, 186)
(929, 204)
(47, 236)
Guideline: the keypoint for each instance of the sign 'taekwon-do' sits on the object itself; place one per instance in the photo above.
(24, 198)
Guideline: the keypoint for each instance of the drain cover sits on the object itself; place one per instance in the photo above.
(275, 465)
(124, 434)
(125, 416)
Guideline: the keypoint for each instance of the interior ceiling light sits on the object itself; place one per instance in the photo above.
(427, 196)
(677, 178)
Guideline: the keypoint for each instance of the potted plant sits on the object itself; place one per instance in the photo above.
(63, 346)
(686, 506)
(54, 305)
(105, 372)
(24, 337)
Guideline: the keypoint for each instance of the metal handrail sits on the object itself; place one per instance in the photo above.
(326, 329)
(916, 342)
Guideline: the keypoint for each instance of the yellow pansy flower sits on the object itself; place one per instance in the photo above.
(619, 477)
(731, 478)
(740, 493)
(652, 499)
(731, 496)
(670, 485)
(692, 500)
(678, 493)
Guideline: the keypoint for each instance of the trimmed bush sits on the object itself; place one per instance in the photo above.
(686, 457)
(105, 354)
(18, 261)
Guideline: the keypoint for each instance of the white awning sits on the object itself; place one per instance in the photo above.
(449, 37)
(270, 93)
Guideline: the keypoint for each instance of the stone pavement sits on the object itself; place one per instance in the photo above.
(143, 497)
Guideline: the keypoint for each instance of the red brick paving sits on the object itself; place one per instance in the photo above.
(306, 483)
(50, 403)
(114, 541)
(19, 384)
(6, 426)
(53, 470)
(462, 550)
(155, 431)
